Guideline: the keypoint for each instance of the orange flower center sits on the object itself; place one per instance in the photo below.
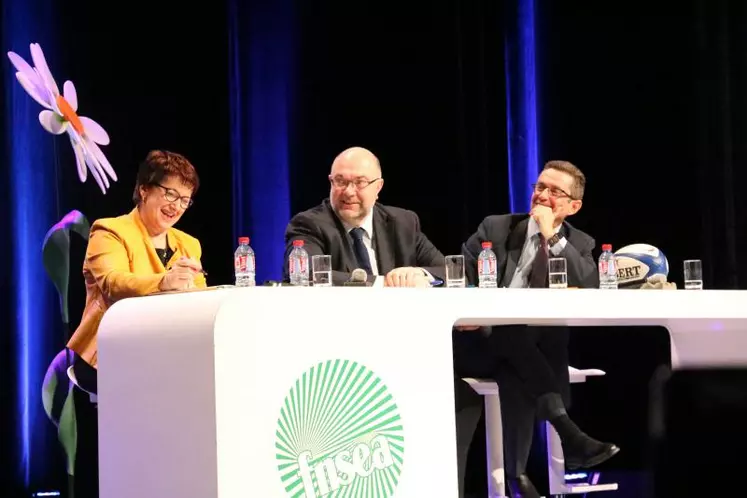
(69, 114)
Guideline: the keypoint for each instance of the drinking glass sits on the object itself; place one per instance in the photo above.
(693, 274)
(455, 271)
(321, 266)
(557, 273)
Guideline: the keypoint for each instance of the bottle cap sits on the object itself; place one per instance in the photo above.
(607, 247)
(298, 243)
(487, 245)
(243, 240)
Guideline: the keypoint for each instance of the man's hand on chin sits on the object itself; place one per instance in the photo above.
(545, 218)
(406, 276)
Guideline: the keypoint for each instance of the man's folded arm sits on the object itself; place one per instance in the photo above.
(581, 265)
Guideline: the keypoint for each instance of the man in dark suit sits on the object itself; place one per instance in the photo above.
(531, 363)
(358, 232)
(386, 241)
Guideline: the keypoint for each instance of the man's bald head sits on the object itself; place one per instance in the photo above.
(355, 183)
(361, 159)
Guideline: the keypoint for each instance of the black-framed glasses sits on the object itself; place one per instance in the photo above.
(554, 191)
(358, 183)
(172, 195)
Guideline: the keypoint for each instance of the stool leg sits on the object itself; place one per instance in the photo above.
(494, 444)
(555, 461)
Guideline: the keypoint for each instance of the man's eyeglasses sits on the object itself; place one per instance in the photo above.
(172, 195)
(554, 191)
(359, 183)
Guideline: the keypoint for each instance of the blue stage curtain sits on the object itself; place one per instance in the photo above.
(29, 177)
(261, 75)
(521, 102)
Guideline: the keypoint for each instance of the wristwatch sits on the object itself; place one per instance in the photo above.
(554, 240)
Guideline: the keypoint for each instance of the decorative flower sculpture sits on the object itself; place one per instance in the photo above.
(60, 116)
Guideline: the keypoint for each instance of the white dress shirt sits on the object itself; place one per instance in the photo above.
(528, 253)
(368, 235)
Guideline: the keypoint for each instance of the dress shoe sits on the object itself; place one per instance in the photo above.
(521, 487)
(579, 449)
(583, 452)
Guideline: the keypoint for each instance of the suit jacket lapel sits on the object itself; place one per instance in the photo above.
(382, 238)
(514, 246)
(155, 261)
(347, 256)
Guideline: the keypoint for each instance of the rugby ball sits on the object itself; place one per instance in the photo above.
(638, 262)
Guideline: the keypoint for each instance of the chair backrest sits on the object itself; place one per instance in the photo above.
(56, 254)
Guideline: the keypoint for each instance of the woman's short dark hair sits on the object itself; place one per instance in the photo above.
(160, 164)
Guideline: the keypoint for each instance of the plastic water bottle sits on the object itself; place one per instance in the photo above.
(298, 265)
(607, 268)
(487, 267)
(244, 264)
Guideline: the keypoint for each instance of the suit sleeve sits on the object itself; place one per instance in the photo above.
(471, 251)
(302, 227)
(427, 255)
(582, 269)
(108, 262)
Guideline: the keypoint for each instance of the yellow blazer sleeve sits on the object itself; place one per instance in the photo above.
(200, 281)
(107, 260)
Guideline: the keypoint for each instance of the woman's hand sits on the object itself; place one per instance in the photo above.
(190, 263)
(179, 277)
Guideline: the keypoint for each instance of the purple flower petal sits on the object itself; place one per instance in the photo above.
(101, 158)
(94, 131)
(97, 173)
(79, 158)
(39, 94)
(24, 67)
(40, 63)
(68, 91)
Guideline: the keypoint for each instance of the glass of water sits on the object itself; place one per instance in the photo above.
(455, 271)
(693, 274)
(321, 267)
(557, 273)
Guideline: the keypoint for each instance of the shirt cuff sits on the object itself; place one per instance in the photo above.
(558, 248)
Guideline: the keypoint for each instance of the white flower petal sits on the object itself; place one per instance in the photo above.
(39, 94)
(40, 63)
(80, 160)
(97, 173)
(24, 67)
(68, 91)
(94, 131)
(52, 123)
(95, 150)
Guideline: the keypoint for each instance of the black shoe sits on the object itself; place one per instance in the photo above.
(584, 452)
(521, 487)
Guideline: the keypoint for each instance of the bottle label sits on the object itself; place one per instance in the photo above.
(240, 263)
(299, 264)
(607, 268)
(487, 266)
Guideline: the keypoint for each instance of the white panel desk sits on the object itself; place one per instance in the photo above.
(277, 392)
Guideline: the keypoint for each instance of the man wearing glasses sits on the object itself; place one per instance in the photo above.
(531, 363)
(358, 232)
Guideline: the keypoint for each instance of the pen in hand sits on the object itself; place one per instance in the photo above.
(193, 268)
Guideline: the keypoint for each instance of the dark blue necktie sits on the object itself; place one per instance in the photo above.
(361, 253)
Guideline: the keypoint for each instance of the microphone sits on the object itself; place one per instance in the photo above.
(359, 278)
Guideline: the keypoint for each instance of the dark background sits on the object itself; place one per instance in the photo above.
(648, 99)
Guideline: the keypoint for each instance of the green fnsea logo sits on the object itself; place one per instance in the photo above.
(339, 433)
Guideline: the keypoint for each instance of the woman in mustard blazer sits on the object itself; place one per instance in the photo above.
(136, 254)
